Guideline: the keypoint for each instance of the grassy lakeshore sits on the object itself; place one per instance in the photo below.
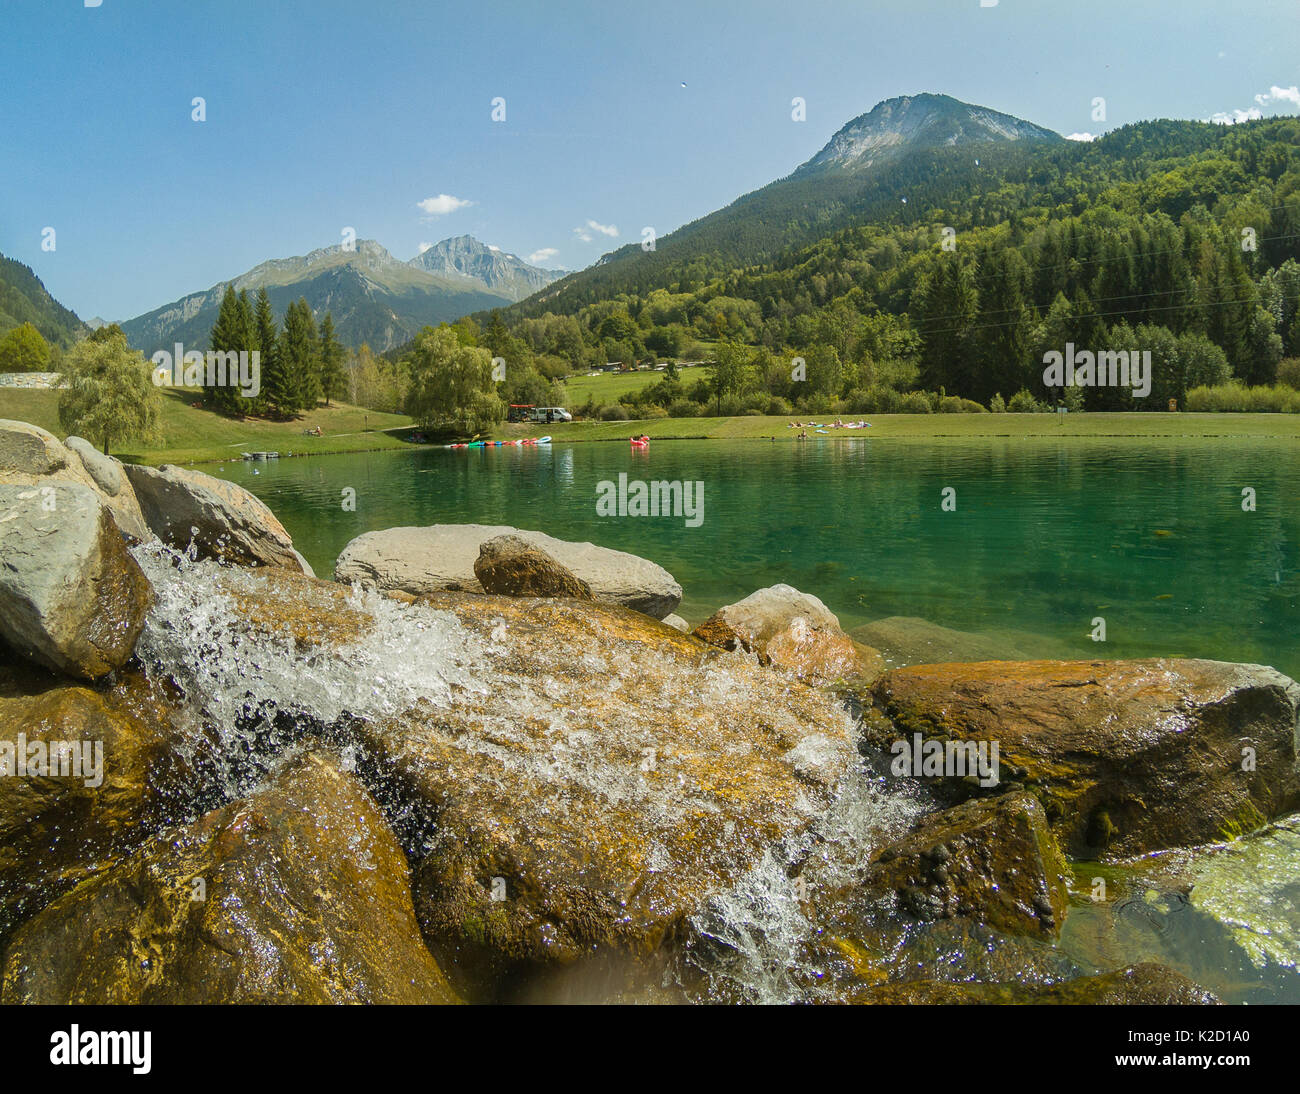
(928, 427)
(192, 435)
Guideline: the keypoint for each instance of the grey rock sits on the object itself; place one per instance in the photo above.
(222, 520)
(71, 596)
(441, 557)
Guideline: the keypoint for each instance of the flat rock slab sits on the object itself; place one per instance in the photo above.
(1146, 984)
(71, 596)
(296, 894)
(1126, 756)
(441, 557)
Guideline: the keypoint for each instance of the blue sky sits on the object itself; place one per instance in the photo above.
(326, 114)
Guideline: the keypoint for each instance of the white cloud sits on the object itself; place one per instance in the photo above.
(584, 232)
(424, 247)
(1277, 94)
(442, 205)
(542, 255)
(1232, 117)
(1080, 136)
(1273, 96)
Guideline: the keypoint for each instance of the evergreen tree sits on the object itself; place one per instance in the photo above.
(276, 397)
(333, 381)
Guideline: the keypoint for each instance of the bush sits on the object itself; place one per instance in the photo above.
(1239, 399)
(1288, 372)
(652, 411)
(780, 406)
(615, 413)
(955, 404)
(998, 405)
(915, 402)
(683, 408)
(1023, 403)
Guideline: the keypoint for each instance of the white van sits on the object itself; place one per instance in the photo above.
(551, 414)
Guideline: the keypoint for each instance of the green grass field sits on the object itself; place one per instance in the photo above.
(193, 435)
(931, 427)
(608, 386)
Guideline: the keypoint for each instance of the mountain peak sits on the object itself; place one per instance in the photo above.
(467, 257)
(908, 122)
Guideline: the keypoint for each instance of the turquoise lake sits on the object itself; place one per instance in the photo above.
(1045, 536)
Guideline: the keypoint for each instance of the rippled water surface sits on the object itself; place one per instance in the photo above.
(1046, 536)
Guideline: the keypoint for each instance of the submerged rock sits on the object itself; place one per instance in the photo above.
(792, 631)
(31, 456)
(221, 520)
(100, 770)
(71, 596)
(1252, 888)
(441, 557)
(296, 894)
(1145, 984)
(907, 640)
(1126, 756)
(511, 566)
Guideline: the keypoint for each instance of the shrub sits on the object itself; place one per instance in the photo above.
(997, 404)
(1237, 398)
(1023, 403)
(915, 402)
(1288, 372)
(615, 413)
(780, 406)
(683, 408)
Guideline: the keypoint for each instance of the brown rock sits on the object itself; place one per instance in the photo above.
(1126, 756)
(1145, 984)
(511, 566)
(296, 894)
(58, 829)
(792, 631)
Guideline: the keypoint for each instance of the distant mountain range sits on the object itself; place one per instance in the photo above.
(373, 297)
(877, 161)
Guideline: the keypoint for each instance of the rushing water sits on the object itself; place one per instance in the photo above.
(1045, 537)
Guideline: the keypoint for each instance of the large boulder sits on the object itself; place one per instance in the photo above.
(296, 894)
(71, 596)
(573, 780)
(89, 774)
(219, 519)
(511, 566)
(1126, 756)
(31, 456)
(441, 557)
(793, 631)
